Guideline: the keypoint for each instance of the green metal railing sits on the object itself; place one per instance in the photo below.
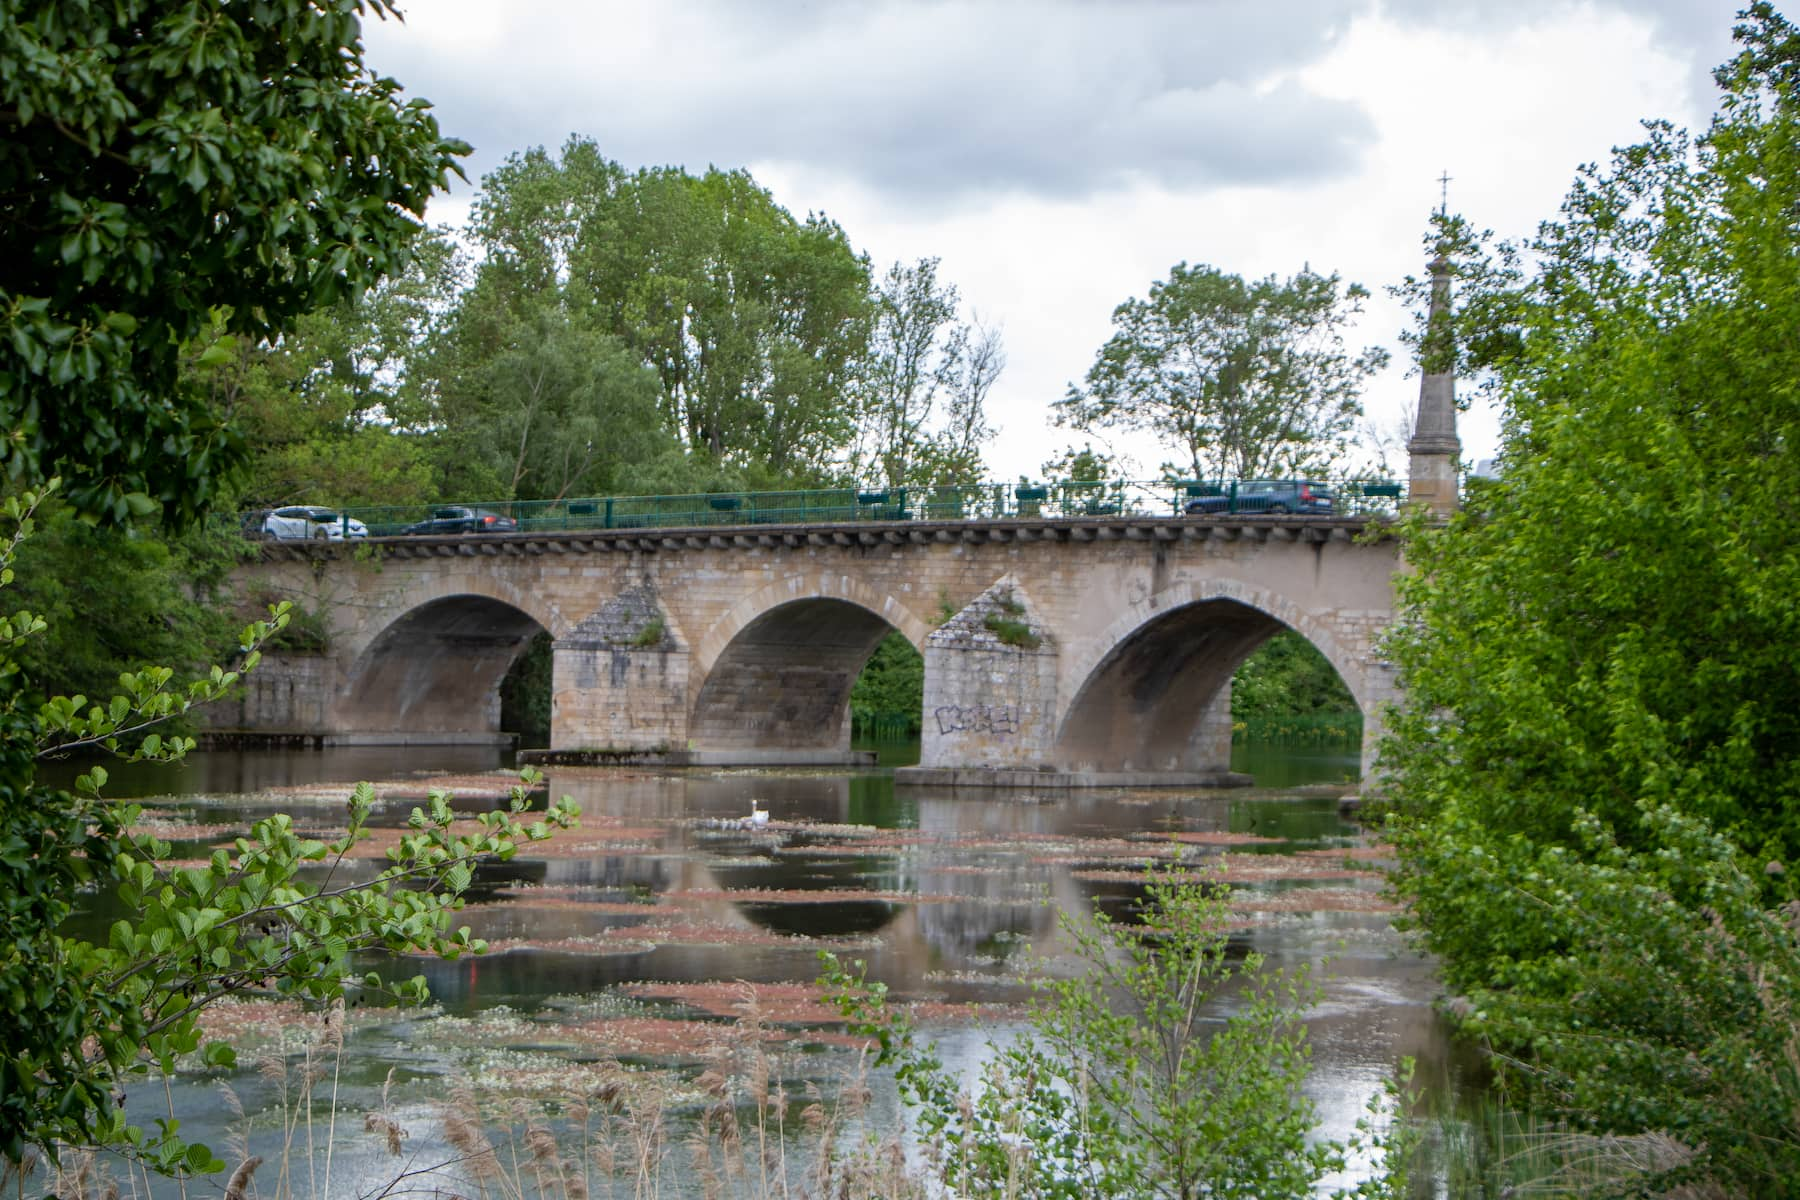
(951, 502)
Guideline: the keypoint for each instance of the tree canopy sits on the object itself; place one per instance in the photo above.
(1595, 763)
(1243, 379)
(921, 392)
(615, 331)
(751, 321)
(170, 170)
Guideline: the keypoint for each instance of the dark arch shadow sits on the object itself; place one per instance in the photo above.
(842, 913)
(437, 669)
(1154, 703)
(784, 681)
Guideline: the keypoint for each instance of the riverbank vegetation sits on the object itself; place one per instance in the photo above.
(143, 233)
(1288, 693)
(1594, 769)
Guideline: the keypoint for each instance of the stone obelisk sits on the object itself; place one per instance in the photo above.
(1434, 446)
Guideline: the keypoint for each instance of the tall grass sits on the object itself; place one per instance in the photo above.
(1492, 1151)
(1307, 730)
(737, 1129)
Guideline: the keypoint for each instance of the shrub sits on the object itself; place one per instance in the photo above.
(1012, 632)
(1125, 1084)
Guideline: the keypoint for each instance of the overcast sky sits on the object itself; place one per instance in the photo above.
(1059, 157)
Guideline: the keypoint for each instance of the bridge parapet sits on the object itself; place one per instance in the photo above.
(1254, 529)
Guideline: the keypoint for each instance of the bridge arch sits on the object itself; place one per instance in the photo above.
(774, 672)
(434, 670)
(1151, 691)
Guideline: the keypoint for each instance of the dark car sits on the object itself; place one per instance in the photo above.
(1266, 496)
(457, 519)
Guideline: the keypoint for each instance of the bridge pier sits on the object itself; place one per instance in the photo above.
(611, 698)
(990, 687)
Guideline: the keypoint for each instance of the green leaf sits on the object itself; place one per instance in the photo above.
(222, 351)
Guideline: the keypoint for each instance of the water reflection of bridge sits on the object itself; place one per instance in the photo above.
(928, 884)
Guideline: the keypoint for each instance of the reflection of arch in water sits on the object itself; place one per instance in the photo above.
(1154, 692)
(1125, 903)
(824, 918)
(776, 670)
(835, 879)
(437, 668)
(992, 919)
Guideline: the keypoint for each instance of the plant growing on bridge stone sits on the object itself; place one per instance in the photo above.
(1011, 631)
(1125, 1085)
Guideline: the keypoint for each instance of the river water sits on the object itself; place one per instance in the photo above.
(668, 935)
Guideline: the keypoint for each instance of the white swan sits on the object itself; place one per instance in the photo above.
(759, 816)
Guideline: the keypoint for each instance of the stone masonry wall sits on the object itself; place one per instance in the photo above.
(614, 698)
(988, 702)
(286, 693)
(619, 679)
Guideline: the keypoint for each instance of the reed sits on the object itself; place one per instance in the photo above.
(1491, 1150)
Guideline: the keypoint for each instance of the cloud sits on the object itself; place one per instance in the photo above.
(928, 101)
(938, 102)
(1697, 32)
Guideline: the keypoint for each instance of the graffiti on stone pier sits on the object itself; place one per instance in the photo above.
(1001, 719)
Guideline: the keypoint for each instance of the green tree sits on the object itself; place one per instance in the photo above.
(165, 168)
(890, 689)
(1287, 677)
(751, 320)
(321, 408)
(1596, 654)
(1086, 465)
(1244, 379)
(555, 410)
(122, 599)
(921, 391)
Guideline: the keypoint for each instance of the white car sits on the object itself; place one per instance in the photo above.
(305, 522)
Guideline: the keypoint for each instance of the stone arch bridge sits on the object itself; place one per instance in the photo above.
(1056, 652)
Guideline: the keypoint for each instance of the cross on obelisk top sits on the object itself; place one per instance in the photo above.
(1444, 193)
